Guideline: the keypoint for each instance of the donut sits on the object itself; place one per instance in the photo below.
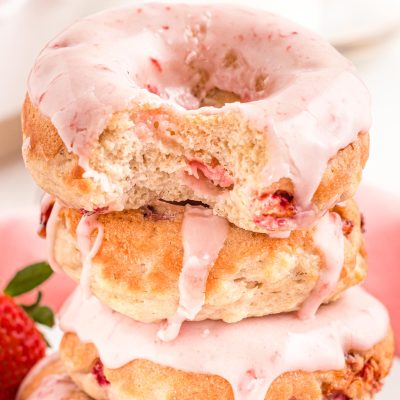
(49, 381)
(140, 262)
(345, 353)
(240, 109)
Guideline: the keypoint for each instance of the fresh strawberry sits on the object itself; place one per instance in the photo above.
(21, 343)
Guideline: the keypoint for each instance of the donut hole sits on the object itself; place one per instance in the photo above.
(197, 70)
(218, 98)
(233, 81)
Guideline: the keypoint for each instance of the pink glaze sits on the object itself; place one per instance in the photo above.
(54, 387)
(87, 224)
(250, 354)
(293, 85)
(203, 235)
(329, 238)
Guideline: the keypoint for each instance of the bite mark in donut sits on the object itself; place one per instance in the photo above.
(269, 88)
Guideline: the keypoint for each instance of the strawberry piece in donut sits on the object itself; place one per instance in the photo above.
(98, 372)
(274, 210)
(214, 172)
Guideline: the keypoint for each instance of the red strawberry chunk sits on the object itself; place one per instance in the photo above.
(217, 174)
(98, 372)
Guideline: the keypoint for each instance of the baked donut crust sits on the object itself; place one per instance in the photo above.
(54, 367)
(57, 171)
(137, 269)
(141, 379)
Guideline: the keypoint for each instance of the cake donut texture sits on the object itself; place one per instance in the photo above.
(140, 264)
(240, 109)
(344, 353)
(49, 381)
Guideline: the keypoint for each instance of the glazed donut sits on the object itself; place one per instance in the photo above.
(49, 381)
(344, 353)
(240, 109)
(138, 267)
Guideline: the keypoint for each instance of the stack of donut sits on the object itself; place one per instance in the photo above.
(199, 163)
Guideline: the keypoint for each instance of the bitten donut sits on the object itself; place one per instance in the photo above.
(143, 264)
(345, 353)
(49, 381)
(237, 108)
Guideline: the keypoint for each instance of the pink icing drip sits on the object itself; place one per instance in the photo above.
(329, 238)
(311, 103)
(203, 235)
(250, 354)
(86, 226)
(51, 229)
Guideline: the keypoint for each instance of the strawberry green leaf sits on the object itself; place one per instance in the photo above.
(41, 314)
(27, 307)
(28, 278)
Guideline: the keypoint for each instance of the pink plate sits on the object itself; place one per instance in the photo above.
(21, 246)
(382, 216)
